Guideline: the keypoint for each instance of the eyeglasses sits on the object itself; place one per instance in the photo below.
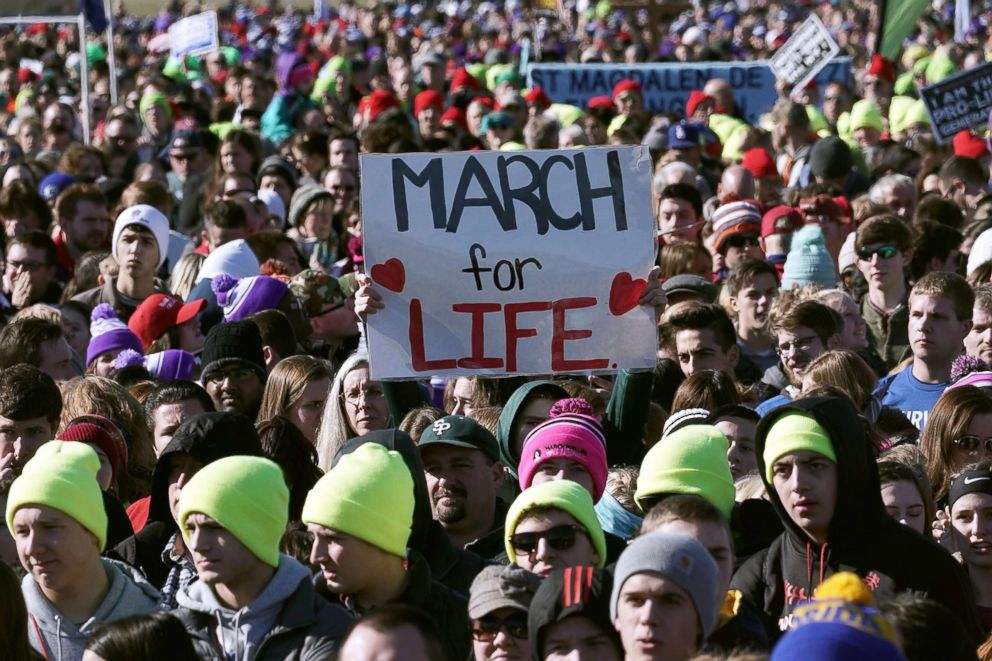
(485, 629)
(802, 344)
(885, 252)
(560, 538)
(369, 395)
(970, 444)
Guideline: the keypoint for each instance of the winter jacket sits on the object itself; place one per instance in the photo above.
(59, 639)
(286, 621)
(206, 437)
(448, 610)
(889, 557)
(889, 334)
(123, 305)
(279, 119)
(453, 567)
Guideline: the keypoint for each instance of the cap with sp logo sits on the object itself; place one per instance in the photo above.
(462, 432)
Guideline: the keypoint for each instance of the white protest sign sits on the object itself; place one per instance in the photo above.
(194, 35)
(526, 262)
(799, 59)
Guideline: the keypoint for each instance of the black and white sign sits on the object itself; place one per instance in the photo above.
(803, 56)
(960, 102)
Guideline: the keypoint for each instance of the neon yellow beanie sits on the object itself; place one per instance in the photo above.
(865, 114)
(564, 495)
(795, 432)
(898, 107)
(368, 495)
(62, 475)
(693, 461)
(247, 496)
(917, 114)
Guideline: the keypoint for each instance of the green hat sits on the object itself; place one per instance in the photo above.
(693, 461)
(462, 432)
(154, 99)
(565, 495)
(940, 67)
(898, 107)
(794, 432)
(567, 114)
(95, 53)
(315, 289)
(865, 114)
(916, 114)
(231, 55)
(905, 83)
(509, 76)
(62, 475)
(369, 495)
(247, 496)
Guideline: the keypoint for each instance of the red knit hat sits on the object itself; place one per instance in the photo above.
(101, 433)
(160, 312)
(484, 100)
(427, 99)
(882, 67)
(759, 163)
(379, 102)
(968, 144)
(696, 98)
(464, 80)
(599, 102)
(627, 85)
(455, 115)
(537, 97)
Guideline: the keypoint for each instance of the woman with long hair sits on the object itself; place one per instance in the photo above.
(297, 389)
(958, 432)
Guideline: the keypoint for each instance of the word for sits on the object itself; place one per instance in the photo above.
(514, 271)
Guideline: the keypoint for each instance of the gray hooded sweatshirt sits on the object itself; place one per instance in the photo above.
(59, 639)
(240, 633)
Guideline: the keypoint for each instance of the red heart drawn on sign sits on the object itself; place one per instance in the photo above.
(391, 274)
(624, 293)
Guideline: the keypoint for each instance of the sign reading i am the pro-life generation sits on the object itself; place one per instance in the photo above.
(960, 102)
(805, 54)
(525, 262)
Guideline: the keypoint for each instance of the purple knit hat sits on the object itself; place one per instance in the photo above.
(108, 333)
(168, 365)
(244, 297)
(573, 432)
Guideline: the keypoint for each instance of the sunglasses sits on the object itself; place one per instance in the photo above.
(970, 444)
(885, 252)
(560, 538)
(742, 241)
(486, 629)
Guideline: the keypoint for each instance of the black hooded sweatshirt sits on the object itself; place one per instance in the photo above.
(889, 557)
(452, 567)
(206, 437)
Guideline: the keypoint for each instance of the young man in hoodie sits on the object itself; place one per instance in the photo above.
(940, 308)
(817, 467)
(251, 602)
(361, 514)
(55, 513)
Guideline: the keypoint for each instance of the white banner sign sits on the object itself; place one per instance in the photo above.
(194, 35)
(527, 262)
(799, 59)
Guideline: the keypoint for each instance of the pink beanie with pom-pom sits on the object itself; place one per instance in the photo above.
(573, 433)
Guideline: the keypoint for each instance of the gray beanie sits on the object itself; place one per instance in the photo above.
(678, 558)
(303, 198)
(499, 586)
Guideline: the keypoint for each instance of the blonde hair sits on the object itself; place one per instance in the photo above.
(184, 273)
(39, 311)
(97, 395)
(287, 381)
(845, 370)
(487, 416)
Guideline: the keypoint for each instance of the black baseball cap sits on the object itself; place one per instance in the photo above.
(462, 432)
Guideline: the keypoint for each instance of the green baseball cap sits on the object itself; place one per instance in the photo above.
(462, 432)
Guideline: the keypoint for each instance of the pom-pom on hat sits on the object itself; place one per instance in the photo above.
(243, 297)
(108, 333)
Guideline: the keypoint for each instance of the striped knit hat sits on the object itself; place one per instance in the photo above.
(741, 217)
(572, 433)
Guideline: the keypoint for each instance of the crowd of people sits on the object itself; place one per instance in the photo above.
(196, 463)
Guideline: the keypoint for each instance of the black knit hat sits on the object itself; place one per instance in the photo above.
(233, 342)
(571, 591)
(830, 158)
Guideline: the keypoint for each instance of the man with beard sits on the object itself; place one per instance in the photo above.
(461, 461)
(979, 340)
(234, 367)
(84, 223)
(803, 330)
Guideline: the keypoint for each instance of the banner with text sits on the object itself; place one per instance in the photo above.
(960, 102)
(806, 52)
(667, 84)
(194, 35)
(509, 262)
